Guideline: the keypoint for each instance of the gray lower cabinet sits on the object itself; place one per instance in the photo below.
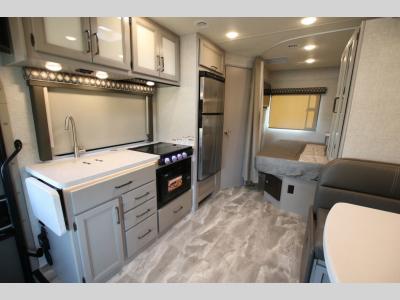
(100, 241)
(174, 211)
(141, 235)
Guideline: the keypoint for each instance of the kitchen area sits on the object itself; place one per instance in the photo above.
(121, 131)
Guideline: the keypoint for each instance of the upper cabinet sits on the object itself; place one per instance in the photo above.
(103, 41)
(155, 51)
(66, 37)
(126, 47)
(110, 42)
(211, 57)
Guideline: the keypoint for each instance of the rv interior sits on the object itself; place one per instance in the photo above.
(188, 149)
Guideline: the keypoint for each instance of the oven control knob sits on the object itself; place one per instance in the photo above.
(167, 161)
(179, 156)
(184, 154)
(174, 159)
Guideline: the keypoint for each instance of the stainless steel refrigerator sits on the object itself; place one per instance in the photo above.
(211, 121)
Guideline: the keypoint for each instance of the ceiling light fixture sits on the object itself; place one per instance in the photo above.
(150, 83)
(232, 35)
(53, 66)
(200, 24)
(70, 38)
(310, 60)
(309, 47)
(101, 75)
(308, 20)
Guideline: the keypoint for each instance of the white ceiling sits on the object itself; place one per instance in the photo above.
(269, 37)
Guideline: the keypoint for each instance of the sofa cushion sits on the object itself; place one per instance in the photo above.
(320, 218)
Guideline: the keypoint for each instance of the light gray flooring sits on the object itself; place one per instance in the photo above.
(235, 236)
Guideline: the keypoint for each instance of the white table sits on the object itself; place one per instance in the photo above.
(362, 244)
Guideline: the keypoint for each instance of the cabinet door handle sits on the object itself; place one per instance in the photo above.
(142, 236)
(144, 195)
(162, 63)
(142, 214)
(117, 212)
(122, 185)
(158, 62)
(334, 104)
(97, 43)
(178, 210)
(87, 41)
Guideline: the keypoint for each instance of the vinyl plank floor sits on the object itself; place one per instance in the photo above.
(235, 236)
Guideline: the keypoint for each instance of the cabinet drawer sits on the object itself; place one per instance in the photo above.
(138, 214)
(174, 211)
(138, 196)
(141, 235)
(90, 196)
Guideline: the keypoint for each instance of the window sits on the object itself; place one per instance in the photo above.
(294, 111)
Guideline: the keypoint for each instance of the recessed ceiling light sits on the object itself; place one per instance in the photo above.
(200, 24)
(309, 47)
(310, 60)
(53, 66)
(101, 75)
(232, 35)
(70, 38)
(150, 83)
(308, 20)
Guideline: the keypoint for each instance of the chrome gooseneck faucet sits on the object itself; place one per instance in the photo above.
(77, 149)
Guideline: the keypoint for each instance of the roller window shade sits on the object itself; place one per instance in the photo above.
(294, 111)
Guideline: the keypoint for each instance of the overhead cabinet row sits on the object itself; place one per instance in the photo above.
(135, 45)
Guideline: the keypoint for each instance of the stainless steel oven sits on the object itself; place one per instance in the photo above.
(173, 180)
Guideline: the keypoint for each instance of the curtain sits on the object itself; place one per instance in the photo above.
(254, 122)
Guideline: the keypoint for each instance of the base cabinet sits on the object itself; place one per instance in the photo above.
(174, 211)
(100, 241)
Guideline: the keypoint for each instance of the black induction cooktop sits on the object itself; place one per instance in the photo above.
(161, 148)
(169, 153)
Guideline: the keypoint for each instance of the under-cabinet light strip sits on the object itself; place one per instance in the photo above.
(43, 75)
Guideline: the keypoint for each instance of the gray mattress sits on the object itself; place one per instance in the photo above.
(281, 158)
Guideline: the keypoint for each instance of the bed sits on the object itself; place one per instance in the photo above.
(292, 158)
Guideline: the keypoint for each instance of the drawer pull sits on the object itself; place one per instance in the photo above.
(122, 185)
(142, 214)
(178, 210)
(144, 195)
(142, 236)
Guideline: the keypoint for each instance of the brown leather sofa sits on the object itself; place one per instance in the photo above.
(366, 183)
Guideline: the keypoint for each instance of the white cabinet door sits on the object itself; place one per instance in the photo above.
(211, 56)
(342, 96)
(66, 37)
(146, 58)
(169, 52)
(100, 241)
(110, 42)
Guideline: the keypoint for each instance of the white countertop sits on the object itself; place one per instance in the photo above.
(64, 173)
(362, 244)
